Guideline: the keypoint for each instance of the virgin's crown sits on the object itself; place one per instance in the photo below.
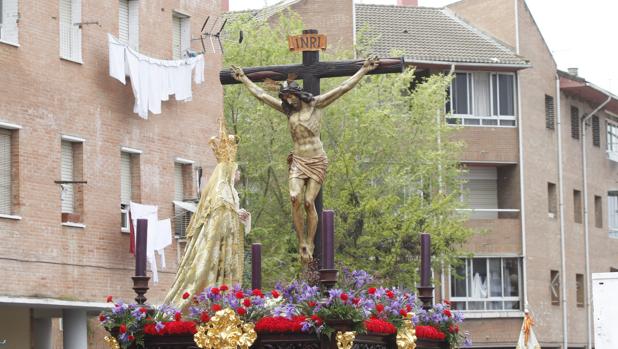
(224, 146)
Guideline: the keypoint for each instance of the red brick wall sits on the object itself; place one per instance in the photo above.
(50, 97)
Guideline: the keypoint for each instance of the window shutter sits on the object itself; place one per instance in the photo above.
(176, 37)
(596, 131)
(123, 21)
(5, 172)
(549, 112)
(66, 174)
(8, 23)
(185, 35)
(574, 122)
(76, 31)
(133, 25)
(125, 178)
(65, 29)
(179, 194)
(482, 187)
(612, 211)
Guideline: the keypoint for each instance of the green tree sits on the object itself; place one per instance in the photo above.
(393, 169)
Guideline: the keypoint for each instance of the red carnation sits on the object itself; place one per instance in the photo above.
(131, 338)
(239, 295)
(447, 302)
(403, 313)
(312, 304)
(371, 290)
(109, 299)
(316, 319)
(408, 308)
(275, 293)
(215, 290)
(223, 288)
(216, 307)
(241, 311)
(380, 307)
(246, 302)
(447, 313)
(204, 317)
(143, 310)
(185, 295)
(390, 294)
(177, 316)
(344, 297)
(102, 318)
(123, 328)
(257, 292)
(355, 300)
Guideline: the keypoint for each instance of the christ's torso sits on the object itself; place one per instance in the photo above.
(305, 130)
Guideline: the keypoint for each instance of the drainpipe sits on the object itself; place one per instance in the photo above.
(586, 220)
(516, 26)
(522, 212)
(563, 291)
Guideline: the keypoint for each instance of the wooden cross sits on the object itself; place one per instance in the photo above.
(311, 71)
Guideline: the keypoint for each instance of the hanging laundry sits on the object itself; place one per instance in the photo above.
(158, 236)
(153, 80)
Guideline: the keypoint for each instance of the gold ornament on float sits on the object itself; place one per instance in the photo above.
(225, 330)
(345, 340)
(406, 336)
(111, 342)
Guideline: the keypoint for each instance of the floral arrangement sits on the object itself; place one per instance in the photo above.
(294, 308)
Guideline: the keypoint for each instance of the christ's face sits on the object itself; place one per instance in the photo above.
(292, 100)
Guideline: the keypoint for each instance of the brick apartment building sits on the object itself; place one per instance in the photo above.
(526, 127)
(62, 117)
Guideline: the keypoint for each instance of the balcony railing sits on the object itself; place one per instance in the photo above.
(487, 213)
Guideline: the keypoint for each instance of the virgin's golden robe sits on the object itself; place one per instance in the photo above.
(215, 240)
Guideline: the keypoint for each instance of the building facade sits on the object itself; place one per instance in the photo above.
(73, 154)
(546, 214)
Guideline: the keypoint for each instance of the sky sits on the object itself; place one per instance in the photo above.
(581, 34)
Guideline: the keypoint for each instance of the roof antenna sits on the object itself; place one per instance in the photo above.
(210, 33)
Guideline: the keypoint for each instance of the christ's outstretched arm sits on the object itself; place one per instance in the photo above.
(329, 97)
(255, 90)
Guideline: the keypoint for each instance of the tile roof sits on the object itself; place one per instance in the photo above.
(430, 35)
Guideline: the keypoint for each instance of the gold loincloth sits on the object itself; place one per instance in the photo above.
(313, 167)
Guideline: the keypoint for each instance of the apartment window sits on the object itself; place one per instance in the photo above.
(9, 17)
(574, 122)
(183, 182)
(71, 170)
(481, 192)
(579, 289)
(550, 115)
(598, 211)
(552, 202)
(6, 172)
(482, 99)
(128, 23)
(612, 213)
(596, 131)
(577, 206)
(70, 30)
(486, 284)
(612, 137)
(554, 286)
(181, 31)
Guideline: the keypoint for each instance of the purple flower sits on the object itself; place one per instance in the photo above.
(306, 327)
(159, 326)
(138, 314)
(287, 311)
(467, 341)
(361, 278)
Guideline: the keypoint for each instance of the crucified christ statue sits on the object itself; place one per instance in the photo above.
(308, 161)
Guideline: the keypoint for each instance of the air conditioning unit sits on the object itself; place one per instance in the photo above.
(612, 155)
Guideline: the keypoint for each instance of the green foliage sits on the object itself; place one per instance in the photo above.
(393, 170)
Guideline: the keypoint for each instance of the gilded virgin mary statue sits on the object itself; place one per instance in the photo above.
(215, 235)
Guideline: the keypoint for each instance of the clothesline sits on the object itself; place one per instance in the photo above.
(153, 80)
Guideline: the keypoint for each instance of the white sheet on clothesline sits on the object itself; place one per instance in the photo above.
(153, 80)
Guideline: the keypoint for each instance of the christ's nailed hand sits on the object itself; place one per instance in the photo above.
(243, 214)
(371, 63)
(237, 72)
